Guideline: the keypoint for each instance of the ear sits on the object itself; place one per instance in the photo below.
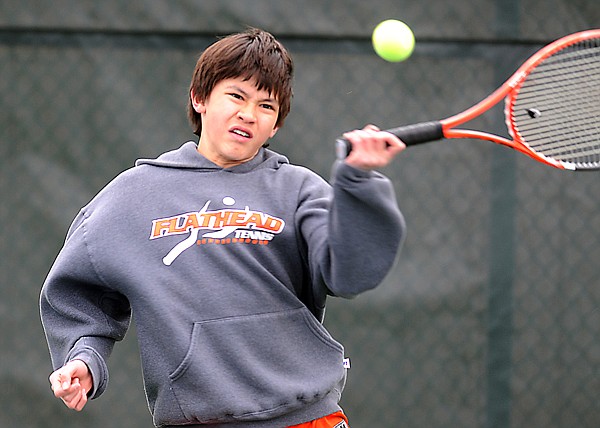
(274, 131)
(197, 104)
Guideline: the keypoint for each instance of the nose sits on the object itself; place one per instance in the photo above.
(247, 113)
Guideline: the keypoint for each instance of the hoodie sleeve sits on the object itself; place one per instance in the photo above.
(366, 230)
(357, 246)
(82, 317)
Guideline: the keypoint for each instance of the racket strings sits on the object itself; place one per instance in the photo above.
(556, 111)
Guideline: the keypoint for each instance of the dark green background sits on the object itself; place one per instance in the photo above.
(491, 317)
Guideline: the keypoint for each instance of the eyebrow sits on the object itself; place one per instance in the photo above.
(244, 93)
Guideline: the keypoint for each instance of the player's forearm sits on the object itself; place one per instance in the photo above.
(367, 230)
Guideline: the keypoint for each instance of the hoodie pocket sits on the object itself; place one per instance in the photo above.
(256, 367)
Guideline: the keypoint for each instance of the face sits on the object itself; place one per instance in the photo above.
(237, 119)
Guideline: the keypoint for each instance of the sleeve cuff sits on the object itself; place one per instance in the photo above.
(95, 363)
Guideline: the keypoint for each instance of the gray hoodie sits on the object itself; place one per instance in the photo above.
(226, 272)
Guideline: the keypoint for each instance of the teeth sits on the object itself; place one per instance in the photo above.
(242, 133)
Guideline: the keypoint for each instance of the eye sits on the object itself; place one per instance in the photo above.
(271, 106)
(236, 96)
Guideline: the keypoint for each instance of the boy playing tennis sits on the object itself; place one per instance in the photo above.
(225, 252)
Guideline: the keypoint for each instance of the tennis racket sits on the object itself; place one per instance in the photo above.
(552, 108)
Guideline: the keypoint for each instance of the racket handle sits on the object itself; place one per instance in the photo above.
(410, 135)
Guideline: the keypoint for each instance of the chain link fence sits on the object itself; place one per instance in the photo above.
(491, 317)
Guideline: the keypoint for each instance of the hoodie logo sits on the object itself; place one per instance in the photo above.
(224, 226)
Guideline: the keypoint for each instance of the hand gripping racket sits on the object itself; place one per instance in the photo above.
(552, 108)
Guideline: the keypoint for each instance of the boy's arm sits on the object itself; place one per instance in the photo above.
(357, 246)
(366, 231)
(81, 315)
(366, 227)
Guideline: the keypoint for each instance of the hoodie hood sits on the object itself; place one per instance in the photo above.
(188, 157)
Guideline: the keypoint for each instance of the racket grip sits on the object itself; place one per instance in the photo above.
(410, 135)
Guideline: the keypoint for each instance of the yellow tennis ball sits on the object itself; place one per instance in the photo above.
(393, 40)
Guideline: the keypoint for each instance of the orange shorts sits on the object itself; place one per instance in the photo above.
(335, 420)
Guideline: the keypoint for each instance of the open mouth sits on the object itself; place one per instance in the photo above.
(241, 133)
